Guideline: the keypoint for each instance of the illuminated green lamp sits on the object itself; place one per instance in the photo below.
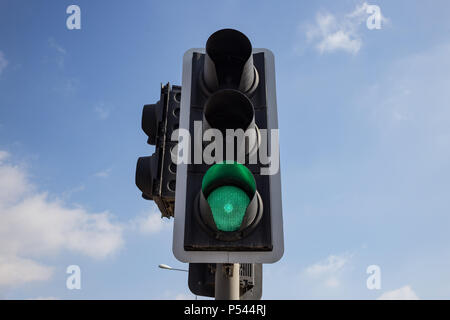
(229, 201)
(228, 205)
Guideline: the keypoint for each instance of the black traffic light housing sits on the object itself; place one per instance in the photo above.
(201, 280)
(195, 237)
(156, 174)
(225, 87)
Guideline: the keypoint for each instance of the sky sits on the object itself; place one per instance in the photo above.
(364, 120)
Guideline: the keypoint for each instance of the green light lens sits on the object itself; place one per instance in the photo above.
(229, 171)
(228, 205)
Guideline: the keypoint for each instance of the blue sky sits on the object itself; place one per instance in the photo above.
(365, 145)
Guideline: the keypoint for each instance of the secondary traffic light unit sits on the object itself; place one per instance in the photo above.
(156, 174)
(201, 280)
(229, 211)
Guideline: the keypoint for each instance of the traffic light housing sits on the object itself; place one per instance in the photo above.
(201, 280)
(156, 174)
(228, 211)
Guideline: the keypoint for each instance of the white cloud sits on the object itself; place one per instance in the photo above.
(150, 223)
(102, 111)
(3, 62)
(37, 225)
(183, 296)
(328, 272)
(104, 173)
(32, 225)
(332, 282)
(404, 293)
(415, 91)
(60, 50)
(332, 264)
(68, 193)
(3, 155)
(13, 182)
(340, 40)
(171, 295)
(333, 33)
(409, 108)
(16, 271)
(52, 43)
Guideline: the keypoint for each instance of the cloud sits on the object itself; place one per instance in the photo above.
(37, 225)
(183, 296)
(68, 193)
(404, 293)
(13, 183)
(332, 264)
(102, 111)
(171, 295)
(33, 226)
(52, 43)
(16, 271)
(408, 107)
(150, 223)
(332, 33)
(328, 272)
(60, 50)
(104, 173)
(332, 282)
(415, 89)
(3, 155)
(3, 62)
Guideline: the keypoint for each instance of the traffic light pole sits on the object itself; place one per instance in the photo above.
(227, 281)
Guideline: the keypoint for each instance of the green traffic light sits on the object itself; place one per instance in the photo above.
(227, 187)
(228, 205)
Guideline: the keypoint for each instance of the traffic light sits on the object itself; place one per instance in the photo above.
(156, 174)
(229, 206)
(228, 199)
(201, 280)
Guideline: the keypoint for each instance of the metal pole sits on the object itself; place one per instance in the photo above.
(227, 281)
(165, 266)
